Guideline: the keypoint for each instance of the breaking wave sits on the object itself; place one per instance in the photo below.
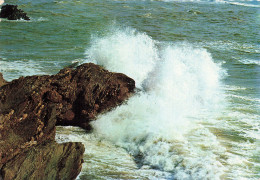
(162, 124)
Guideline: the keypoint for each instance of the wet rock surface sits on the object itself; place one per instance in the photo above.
(11, 12)
(30, 107)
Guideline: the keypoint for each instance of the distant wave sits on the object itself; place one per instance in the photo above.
(248, 3)
(250, 61)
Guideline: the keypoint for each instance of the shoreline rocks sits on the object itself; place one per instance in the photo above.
(30, 107)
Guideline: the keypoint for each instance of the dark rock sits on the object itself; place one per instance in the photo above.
(11, 12)
(48, 161)
(77, 94)
(89, 90)
(31, 106)
(54, 96)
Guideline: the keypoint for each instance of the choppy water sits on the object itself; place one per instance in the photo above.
(196, 113)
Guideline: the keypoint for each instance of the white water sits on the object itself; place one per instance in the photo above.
(162, 125)
(129, 52)
(16, 69)
(247, 3)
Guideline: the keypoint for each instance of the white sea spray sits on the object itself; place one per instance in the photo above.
(159, 125)
(126, 51)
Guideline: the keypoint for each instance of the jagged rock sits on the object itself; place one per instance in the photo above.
(78, 94)
(11, 12)
(31, 106)
(87, 91)
(48, 161)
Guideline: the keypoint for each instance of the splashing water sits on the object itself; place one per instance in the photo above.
(160, 125)
(128, 52)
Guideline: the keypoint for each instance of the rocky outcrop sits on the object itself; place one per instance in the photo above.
(78, 95)
(30, 107)
(11, 12)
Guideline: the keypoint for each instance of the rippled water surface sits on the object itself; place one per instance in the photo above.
(196, 113)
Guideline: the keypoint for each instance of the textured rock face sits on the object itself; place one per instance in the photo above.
(48, 161)
(87, 91)
(19, 131)
(11, 12)
(77, 94)
(30, 107)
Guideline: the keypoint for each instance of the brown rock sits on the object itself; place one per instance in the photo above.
(48, 161)
(53, 96)
(89, 89)
(69, 115)
(31, 106)
(2, 81)
(22, 130)
(77, 94)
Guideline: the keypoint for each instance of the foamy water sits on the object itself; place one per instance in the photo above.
(168, 124)
(159, 126)
(16, 69)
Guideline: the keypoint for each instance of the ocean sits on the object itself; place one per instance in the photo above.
(196, 63)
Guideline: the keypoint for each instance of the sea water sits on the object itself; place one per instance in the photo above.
(196, 64)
